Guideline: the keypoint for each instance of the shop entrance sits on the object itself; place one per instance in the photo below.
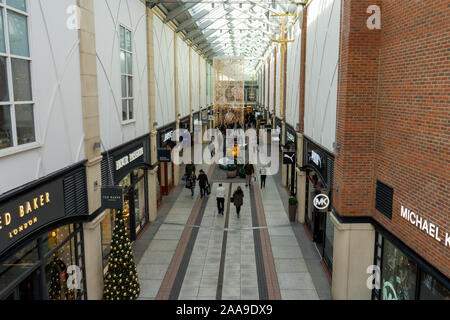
(135, 202)
(315, 220)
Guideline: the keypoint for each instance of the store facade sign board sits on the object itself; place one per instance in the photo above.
(112, 198)
(164, 155)
(289, 157)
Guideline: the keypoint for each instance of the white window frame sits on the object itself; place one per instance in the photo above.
(128, 120)
(11, 102)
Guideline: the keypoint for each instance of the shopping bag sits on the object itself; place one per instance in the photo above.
(232, 199)
(188, 183)
(208, 189)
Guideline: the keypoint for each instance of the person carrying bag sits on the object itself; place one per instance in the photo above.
(238, 200)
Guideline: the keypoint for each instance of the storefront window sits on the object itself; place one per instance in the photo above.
(139, 200)
(134, 210)
(431, 289)
(60, 253)
(56, 273)
(398, 273)
(106, 227)
(17, 265)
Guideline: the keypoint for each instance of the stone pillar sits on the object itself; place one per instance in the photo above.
(91, 126)
(152, 178)
(353, 252)
(301, 181)
(152, 175)
(176, 168)
(93, 258)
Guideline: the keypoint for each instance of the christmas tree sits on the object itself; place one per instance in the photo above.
(121, 281)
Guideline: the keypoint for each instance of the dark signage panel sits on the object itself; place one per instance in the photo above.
(30, 211)
(124, 160)
(112, 198)
(289, 157)
(164, 155)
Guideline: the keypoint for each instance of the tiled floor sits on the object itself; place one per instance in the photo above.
(155, 260)
(293, 277)
(202, 276)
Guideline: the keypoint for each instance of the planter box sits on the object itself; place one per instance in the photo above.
(292, 212)
(231, 174)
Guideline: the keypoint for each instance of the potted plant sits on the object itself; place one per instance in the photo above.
(231, 171)
(292, 208)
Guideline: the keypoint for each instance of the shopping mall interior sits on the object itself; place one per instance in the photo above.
(224, 150)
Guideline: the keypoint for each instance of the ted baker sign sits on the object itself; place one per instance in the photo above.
(423, 224)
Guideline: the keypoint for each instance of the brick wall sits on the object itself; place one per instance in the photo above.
(393, 118)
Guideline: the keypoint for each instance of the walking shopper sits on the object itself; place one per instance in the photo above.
(263, 173)
(238, 200)
(189, 168)
(212, 149)
(249, 170)
(190, 182)
(203, 183)
(220, 197)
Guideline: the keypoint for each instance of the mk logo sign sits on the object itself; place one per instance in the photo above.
(321, 201)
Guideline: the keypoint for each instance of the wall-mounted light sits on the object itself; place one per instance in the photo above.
(97, 145)
(155, 124)
(297, 126)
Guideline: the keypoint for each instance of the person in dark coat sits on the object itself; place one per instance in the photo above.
(249, 170)
(238, 200)
(203, 183)
(192, 179)
(189, 168)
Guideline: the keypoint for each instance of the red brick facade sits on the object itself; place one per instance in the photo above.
(393, 118)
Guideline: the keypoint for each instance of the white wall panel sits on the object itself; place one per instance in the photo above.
(266, 86)
(109, 15)
(203, 82)
(183, 78)
(209, 83)
(277, 85)
(55, 72)
(272, 83)
(195, 77)
(164, 73)
(322, 52)
(293, 77)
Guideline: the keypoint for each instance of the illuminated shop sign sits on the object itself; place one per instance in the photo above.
(316, 158)
(290, 136)
(423, 224)
(29, 212)
(168, 136)
(129, 158)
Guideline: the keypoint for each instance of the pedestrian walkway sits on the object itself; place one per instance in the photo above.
(197, 254)
(293, 277)
(154, 262)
